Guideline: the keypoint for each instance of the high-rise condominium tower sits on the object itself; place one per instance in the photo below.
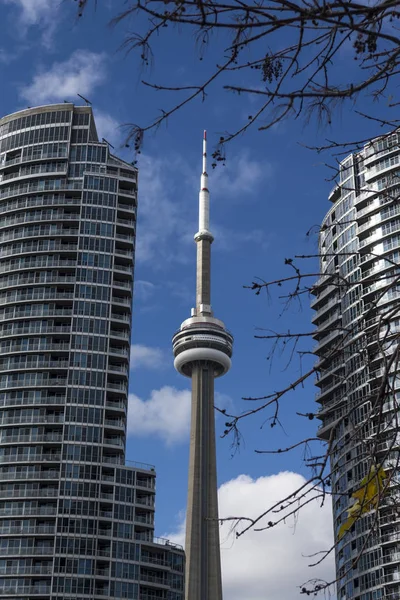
(358, 320)
(203, 349)
(75, 522)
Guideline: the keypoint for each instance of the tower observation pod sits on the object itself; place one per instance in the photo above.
(202, 349)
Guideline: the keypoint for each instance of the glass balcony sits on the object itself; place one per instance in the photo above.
(49, 457)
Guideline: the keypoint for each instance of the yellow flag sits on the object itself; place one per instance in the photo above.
(370, 488)
(366, 497)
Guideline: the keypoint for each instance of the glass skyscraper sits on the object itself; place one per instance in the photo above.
(75, 522)
(358, 323)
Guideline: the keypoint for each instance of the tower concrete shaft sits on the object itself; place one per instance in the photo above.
(203, 574)
(203, 349)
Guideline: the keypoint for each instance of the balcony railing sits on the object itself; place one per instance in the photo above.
(127, 285)
(114, 442)
(32, 493)
(29, 570)
(29, 511)
(29, 217)
(112, 404)
(39, 200)
(37, 475)
(123, 252)
(21, 439)
(119, 351)
(153, 579)
(125, 206)
(125, 268)
(121, 300)
(117, 386)
(113, 460)
(39, 186)
(27, 589)
(33, 382)
(44, 230)
(27, 551)
(33, 364)
(114, 423)
(39, 169)
(31, 419)
(34, 311)
(145, 501)
(26, 157)
(126, 192)
(37, 246)
(121, 317)
(30, 458)
(33, 295)
(38, 530)
(39, 262)
(40, 346)
(125, 238)
(118, 369)
(17, 329)
(119, 334)
(147, 483)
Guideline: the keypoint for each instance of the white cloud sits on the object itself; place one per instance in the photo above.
(108, 128)
(167, 221)
(79, 74)
(242, 176)
(6, 57)
(143, 289)
(146, 357)
(40, 13)
(271, 564)
(166, 414)
(162, 212)
(34, 12)
(228, 238)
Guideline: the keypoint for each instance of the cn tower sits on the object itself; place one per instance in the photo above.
(202, 349)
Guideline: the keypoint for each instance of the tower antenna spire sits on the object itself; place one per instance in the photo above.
(202, 349)
(204, 239)
(205, 151)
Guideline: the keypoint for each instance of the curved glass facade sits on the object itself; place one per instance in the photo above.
(74, 520)
(358, 319)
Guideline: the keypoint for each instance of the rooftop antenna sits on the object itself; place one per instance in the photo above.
(85, 100)
(104, 140)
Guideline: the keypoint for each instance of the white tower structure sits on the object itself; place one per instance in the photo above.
(202, 349)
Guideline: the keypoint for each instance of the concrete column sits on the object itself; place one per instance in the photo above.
(203, 561)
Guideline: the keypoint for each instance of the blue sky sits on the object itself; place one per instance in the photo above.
(271, 191)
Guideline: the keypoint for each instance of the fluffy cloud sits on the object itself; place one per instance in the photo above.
(146, 357)
(44, 14)
(174, 219)
(108, 128)
(166, 414)
(228, 239)
(6, 57)
(144, 289)
(34, 12)
(162, 213)
(241, 177)
(271, 564)
(79, 74)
